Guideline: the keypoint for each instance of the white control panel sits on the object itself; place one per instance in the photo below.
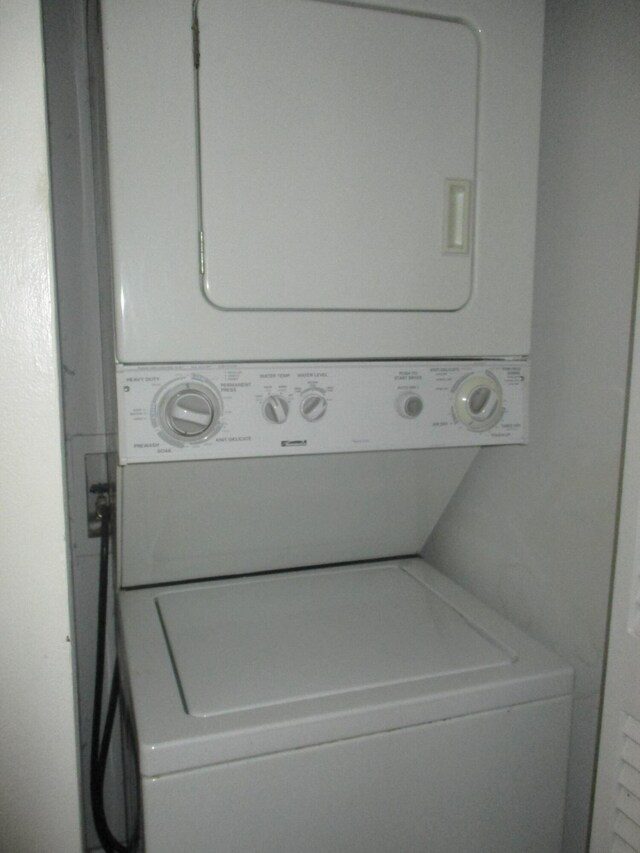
(218, 411)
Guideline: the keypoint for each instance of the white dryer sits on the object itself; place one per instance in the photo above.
(294, 179)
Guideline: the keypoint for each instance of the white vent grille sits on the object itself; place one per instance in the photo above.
(620, 846)
(627, 820)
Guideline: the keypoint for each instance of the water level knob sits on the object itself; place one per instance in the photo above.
(313, 406)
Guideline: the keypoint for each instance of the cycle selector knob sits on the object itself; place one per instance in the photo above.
(478, 402)
(313, 406)
(409, 405)
(275, 409)
(190, 413)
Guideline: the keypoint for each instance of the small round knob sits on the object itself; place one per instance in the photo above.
(409, 405)
(275, 409)
(478, 402)
(190, 413)
(313, 406)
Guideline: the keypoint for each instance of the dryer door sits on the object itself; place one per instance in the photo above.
(337, 156)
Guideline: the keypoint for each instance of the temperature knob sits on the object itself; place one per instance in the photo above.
(478, 402)
(313, 406)
(275, 409)
(409, 405)
(190, 413)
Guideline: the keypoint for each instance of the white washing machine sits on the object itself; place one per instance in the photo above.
(368, 706)
(322, 218)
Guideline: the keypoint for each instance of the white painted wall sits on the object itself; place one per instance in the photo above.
(39, 807)
(531, 530)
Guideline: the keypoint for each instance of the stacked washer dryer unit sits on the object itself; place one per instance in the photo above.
(322, 223)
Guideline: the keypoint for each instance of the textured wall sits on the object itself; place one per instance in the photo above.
(531, 530)
(38, 787)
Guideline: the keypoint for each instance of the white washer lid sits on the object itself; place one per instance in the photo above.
(225, 670)
(266, 640)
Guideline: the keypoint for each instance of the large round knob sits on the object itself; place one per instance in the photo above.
(478, 402)
(313, 406)
(275, 409)
(409, 404)
(190, 413)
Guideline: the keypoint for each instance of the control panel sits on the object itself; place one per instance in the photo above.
(217, 411)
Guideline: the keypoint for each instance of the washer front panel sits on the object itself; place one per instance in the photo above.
(276, 409)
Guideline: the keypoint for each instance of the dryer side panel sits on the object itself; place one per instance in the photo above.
(153, 176)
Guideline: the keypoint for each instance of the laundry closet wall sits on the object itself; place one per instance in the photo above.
(531, 530)
(534, 525)
(76, 241)
(39, 796)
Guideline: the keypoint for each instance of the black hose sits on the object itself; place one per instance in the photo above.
(100, 743)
